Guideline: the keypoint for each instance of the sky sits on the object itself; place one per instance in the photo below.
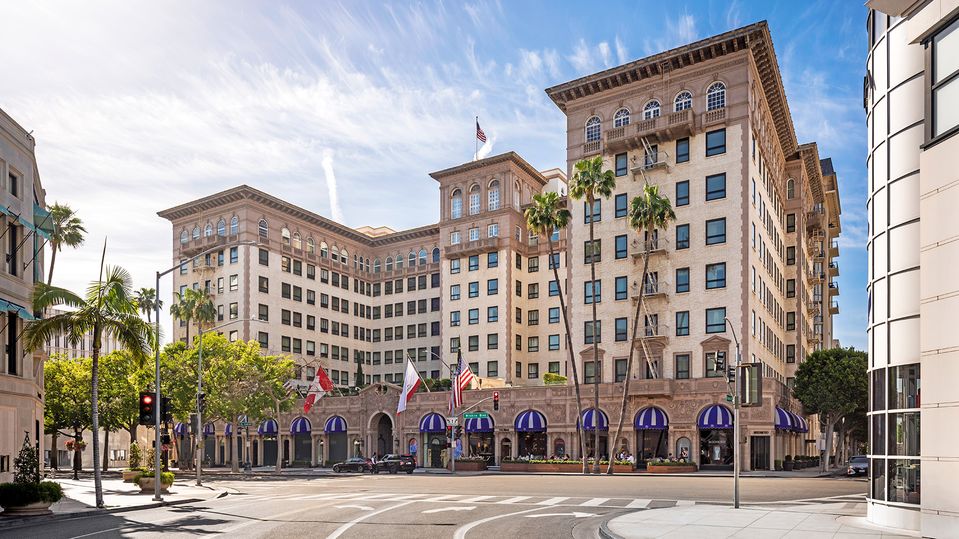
(345, 107)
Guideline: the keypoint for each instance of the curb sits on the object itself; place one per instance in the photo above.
(606, 533)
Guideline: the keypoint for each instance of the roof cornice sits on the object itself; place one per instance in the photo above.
(511, 157)
(809, 153)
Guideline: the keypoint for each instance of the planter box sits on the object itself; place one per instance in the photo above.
(128, 475)
(570, 467)
(788, 465)
(147, 486)
(470, 466)
(30, 510)
(652, 468)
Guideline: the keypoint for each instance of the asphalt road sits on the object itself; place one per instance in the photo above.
(428, 506)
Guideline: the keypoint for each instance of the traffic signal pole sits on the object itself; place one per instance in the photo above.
(737, 449)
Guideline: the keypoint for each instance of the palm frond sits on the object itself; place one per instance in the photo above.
(46, 296)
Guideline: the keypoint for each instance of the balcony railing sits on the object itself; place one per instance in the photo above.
(833, 269)
(591, 147)
(833, 289)
(834, 248)
(650, 331)
(654, 245)
(714, 117)
(472, 247)
(650, 289)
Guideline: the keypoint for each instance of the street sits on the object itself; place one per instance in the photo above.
(399, 506)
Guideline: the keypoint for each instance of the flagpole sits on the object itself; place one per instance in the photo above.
(408, 358)
(476, 142)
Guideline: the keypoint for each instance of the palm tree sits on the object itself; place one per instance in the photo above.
(543, 217)
(647, 212)
(67, 230)
(108, 308)
(194, 305)
(147, 302)
(589, 182)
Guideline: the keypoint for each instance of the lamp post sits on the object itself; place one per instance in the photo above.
(736, 428)
(157, 451)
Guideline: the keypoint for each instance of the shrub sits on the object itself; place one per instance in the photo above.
(788, 458)
(654, 462)
(166, 478)
(554, 379)
(135, 456)
(20, 494)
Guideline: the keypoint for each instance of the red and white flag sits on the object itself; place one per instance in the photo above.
(480, 135)
(411, 382)
(321, 386)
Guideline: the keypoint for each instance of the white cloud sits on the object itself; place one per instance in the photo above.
(622, 55)
(331, 187)
(605, 53)
(582, 57)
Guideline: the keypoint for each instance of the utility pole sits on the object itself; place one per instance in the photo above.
(737, 449)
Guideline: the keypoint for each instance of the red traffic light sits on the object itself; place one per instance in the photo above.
(496, 395)
(147, 399)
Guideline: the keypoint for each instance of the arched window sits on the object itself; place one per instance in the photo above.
(221, 227)
(621, 118)
(422, 257)
(184, 237)
(456, 204)
(474, 199)
(376, 265)
(366, 265)
(436, 255)
(790, 189)
(492, 196)
(716, 96)
(196, 232)
(297, 242)
(207, 230)
(285, 235)
(310, 246)
(399, 262)
(344, 257)
(264, 229)
(683, 101)
(335, 254)
(324, 250)
(234, 226)
(412, 259)
(516, 195)
(593, 127)
(357, 264)
(389, 263)
(651, 110)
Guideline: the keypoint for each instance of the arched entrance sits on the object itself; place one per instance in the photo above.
(479, 439)
(335, 429)
(530, 429)
(652, 435)
(433, 430)
(383, 435)
(269, 429)
(715, 438)
(301, 432)
(591, 422)
(209, 444)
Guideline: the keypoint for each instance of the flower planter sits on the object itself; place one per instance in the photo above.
(687, 468)
(29, 510)
(565, 467)
(470, 465)
(148, 487)
(128, 475)
(788, 466)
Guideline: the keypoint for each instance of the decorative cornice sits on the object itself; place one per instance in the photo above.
(511, 157)
(809, 153)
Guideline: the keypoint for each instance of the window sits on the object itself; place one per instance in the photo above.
(492, 369)
(532, 344)
(455, 266)
(790, 288)
(790, 256)
(593, 291)
(554, 342)
(621, 118)
(492, 314)
(234, 311)
(716, 96)
(532, 370)
(682, 366)
(716, 320)
(716, 275)
(593, 128)
(454, 292)
(263, 312)
(683, 101)
(621, 249)
(554, 261)
(264, 257)
(492, 259)
(716, 186)
(621, 203)
(474, 200)
(554, 315)
(492, 196)
(682, 323)
(554, 289)
(790, 353)
(597, 213)
(790, 189)
(944, 83)
(682, 280)
(492, 287)
(682, 150)
(454, 240)
(716, 142)
(473, 316)
(492, 231)
(713, 361)
(456, 204)
(532, 264)
(592, 253)
(791, 321)
(492, 341)
(474, 289)
(473, 236)
(682, 193)
(621, 165)
(532, 317)
(591, 371)
(474, 262)
(234, 282)
(264, 284)
(621, 329)
(263, 338)
(588, 331)
(682, 236)
(234, 255)
(790, 222)
(651, 110)
(716, 231)
(532, 291)
(621, 292)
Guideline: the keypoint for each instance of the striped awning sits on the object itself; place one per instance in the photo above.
(334, 425)
(801, 425)
(181, 429)
(591, 420)
(651, 418)
(433, 422)
(21, 311)
(484, 424)
(530, 421)
(209, 429)
(716, 416)
(784, 420)
(268, 427)
(301, 425)
(228, 429)
(40, 222)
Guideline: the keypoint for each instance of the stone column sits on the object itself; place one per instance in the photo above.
(312, 450)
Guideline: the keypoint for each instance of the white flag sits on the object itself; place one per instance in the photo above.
(411, 382)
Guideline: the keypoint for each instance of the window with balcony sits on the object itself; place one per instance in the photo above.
(473, 235)
(716, 96)
(492, 230)
(593, 129)
(683, 101)
(651, 110)
(621, 118)
(454, 239)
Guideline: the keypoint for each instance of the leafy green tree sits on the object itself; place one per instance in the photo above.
(108, 307)
(360, 377)
(148, 302)
(122, 378)
(66, 385)
(67, 230)
(648, 212)
(194, 305)
(832, 383)
(546, 215)
(267, 393)
(591, 183)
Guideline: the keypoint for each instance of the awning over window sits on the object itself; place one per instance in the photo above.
(433, 422)
(484, 424)
(800, 423)
(651, 418)
(228, 429)
(209, 429)
(268, 427)
(530, 421)
(20, 310)
(784, 420)
(334, 425)
(593, 420)
(301, 425)
(181, 429)
(44, 223)
(716, 416)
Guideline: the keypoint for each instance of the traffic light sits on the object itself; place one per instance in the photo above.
(166, 412)
(449, 436)
(147, 408)
(496, 401)
(720, 361)
(459, 432)
(201, 402)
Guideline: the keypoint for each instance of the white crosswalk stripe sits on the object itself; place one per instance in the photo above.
(553, 501)
(477, 499)
(515, 499)
(594, 502)
(444, 498)
(638, 504)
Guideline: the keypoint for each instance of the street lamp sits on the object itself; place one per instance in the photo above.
(156, 488)
(736, 448)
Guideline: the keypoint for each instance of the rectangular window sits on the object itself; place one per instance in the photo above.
(519, 289)
(682, 280)
(264, 257)
(532, 317)
(492, 287)
(621, 167)
(554, 367)
(713, 361)
(532, 291)
(716, 320)
(596, 215)
(492, 230)
(790, 222)
(716, 186)
(473, 316)
(532, 265)
(682, 323)
(682, 193)
(716, 231)
(621, 329)
(592, 253)
(454, 292)
(532, 370)
(682, 366)
(682, 150)
(621, 291)
(716, 142)
(554, 289)
(554, 261)
(492, 314)
(790, 256)
(474, 262)
(234, 311)
(492, 259)
(474, 234)
(621, 249)
(532, 344)
(588, 331)
(492, 369)
(682, 236)
(791, 321)
(943, 76)
(263, 312)
(454, 318)
(264, 284)
(474, 289)
(554, 342)
(234, 283)
(593, 292)
(716, 275)
(591, 372)
(790, 353)
(492, 341)
(790, 288)
(234, 255)
(554, 315)
(621, 202)
(473, 343)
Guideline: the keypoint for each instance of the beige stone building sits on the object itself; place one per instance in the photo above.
(24, 223)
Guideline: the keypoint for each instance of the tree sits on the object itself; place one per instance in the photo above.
(67, 230)
(649, 211)
(147, 302)
(360, 377)
(122, 378)
(589, 182)
(832, 383)
(268, 394)
(545, 216)
(66, 384)
(107, 308)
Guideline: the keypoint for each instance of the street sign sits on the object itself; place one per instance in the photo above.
(452, 421)
(244, 421)
(729, 398)
(475, 415)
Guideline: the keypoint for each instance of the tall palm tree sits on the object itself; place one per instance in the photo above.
(107, 309)
(67, 230)
(147, 302)
(647, 212)
(546, 215)
(187, 305)
(589, 182)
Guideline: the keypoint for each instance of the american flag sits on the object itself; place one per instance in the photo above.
(460, 382)
(480, 135)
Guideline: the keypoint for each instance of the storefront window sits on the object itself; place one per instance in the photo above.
(878, 392)
(904, 387)
(532, 444)
(904, 434)
(903, 485)
(559, 448)
(716, 447)
(877, 468)
(878, 434)
(683, 449)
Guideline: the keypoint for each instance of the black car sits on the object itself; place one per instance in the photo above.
(355, 464)
(395, 463)
(858, 465)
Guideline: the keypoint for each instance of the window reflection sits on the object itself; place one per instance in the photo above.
(903, 484)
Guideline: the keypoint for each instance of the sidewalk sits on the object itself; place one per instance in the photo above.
(700, 521)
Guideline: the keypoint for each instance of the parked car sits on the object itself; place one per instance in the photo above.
(355, 464)
(858, 465)
(395, 463)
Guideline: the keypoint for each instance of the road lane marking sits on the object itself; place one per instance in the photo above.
(685, 502)
(96, 533)
(271, 518)
(594, 502)
(553, 501)
(574, 514)
(345, 527)
(451, 508)
(464, 529)
(475, 499)
(443, 498)
(638, 503)
(408, 497)
(515, 499)
(360, 507)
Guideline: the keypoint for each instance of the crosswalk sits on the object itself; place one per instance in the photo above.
(557, 501)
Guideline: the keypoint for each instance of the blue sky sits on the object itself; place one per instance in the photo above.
(138, 106)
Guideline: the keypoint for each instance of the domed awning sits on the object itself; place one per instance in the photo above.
(209, 429)
(784, 420)
(592, 420)
(530, 421)
(716, 416)
(484, 424)
(228, 429)
(181, 429)
(268, 427)
(335, 424)
(651, 418)
(301, 425)
(433, 422)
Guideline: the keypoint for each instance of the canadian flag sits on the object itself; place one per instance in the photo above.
(321, 386)
(411, 381)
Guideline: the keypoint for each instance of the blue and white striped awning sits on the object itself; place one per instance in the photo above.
(484, 424)
(301, 425)
(334, 425)
(268, 427)
(530, 421)
(651, 418)
(784, 420)
(181, 429)
(716, 416)
(228, 429)
(433, 422)
(209, 429)
(590, 419)
(800, 423)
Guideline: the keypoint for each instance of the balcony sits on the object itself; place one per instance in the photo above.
(834, 269)
(833, 288)
(650, 162)
(834, 248)
(652, 290)
(815, 275)
(660, 128)
(653, 387)
(654, 245)
(658, 332)
(815, 218)
(713, 117)
(591, 147)
(472, 247)
(834, 307)
(813, 306)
